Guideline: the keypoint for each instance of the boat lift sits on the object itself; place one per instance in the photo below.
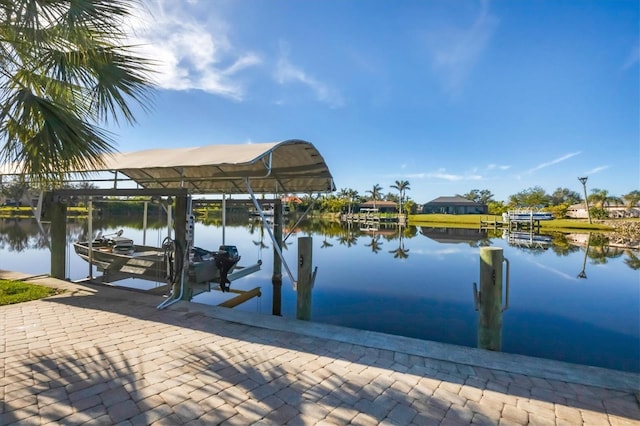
(290, 166)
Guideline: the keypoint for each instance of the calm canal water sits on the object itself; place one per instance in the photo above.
(567, 302)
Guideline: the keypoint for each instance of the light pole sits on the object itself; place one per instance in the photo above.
(586, 203)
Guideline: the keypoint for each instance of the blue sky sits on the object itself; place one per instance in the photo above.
(448, 95)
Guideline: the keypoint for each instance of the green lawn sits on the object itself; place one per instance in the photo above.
(473, 220)
(18, 291)
(26, 212)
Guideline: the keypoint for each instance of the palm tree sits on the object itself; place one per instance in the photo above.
(601, 198)
(352, 194)
(375, 192)
(64, 69)
(401, 186)
(632, 199)
(348, 194)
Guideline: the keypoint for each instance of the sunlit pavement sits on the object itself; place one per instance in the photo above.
(100, 355)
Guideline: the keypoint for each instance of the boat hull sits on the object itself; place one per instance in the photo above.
(144, 262)
(139, 262)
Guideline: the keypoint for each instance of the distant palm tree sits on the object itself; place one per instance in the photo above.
(376, 193)
(349, 195)
(401, 186)
(632, 199)
(601, 198)
(65, 68)
(352, 194)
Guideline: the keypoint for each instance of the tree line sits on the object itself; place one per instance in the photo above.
(558, 202)
(347, 199)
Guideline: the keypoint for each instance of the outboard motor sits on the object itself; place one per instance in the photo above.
(224, 262)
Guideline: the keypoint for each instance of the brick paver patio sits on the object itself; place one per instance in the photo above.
(98, 355)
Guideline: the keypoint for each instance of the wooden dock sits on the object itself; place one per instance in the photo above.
(372, 217)
(509, 224)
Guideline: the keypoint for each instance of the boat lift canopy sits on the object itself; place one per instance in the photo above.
(291, 166)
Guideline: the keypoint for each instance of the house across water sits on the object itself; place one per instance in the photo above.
(454, 205)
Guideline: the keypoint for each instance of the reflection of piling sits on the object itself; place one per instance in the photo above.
(489, 299)
(276, 278)
(305, 281)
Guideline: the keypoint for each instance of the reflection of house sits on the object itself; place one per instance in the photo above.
(579, 211)
(382, 206)
(454, 205)
(454, 235)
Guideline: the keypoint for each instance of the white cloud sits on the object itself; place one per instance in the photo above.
(455, 50)
(190, 54)
(416, 176)
(498, 167)
(552, 162)
(596, 170)
(442, 174)
(632, 59)
(286, 72)
(558, 272)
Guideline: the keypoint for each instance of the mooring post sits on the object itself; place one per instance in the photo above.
(180, 227)
(58, 212)
(276, 278)
(489, 299)
(305, 284)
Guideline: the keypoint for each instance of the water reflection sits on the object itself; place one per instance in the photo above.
(583, 272)
(415, 281)
(23, 234)
(473, 237)
(400, 252)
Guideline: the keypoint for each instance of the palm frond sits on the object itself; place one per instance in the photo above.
(64, 69)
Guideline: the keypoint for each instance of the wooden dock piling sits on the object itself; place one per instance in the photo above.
(305, 281)
(489, 299)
